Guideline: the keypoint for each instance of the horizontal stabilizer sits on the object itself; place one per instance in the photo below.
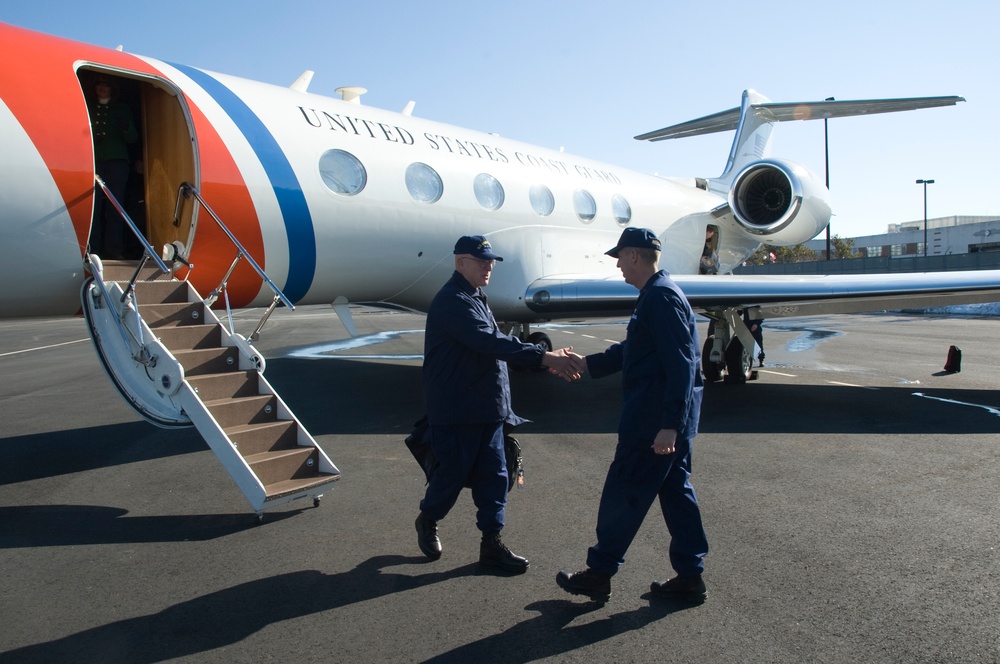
(787, 111)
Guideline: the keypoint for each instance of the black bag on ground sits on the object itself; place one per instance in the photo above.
(419, 444)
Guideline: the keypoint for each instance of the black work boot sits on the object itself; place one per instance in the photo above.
(494, 553)
(681, 588)
(589, 582)
(427, 537)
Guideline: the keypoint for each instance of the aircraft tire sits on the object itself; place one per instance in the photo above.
(739, 362)
(540, 338)
(711, 371)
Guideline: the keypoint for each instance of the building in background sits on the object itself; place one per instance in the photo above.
(946, 236)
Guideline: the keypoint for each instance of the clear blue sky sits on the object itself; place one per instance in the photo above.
(587, 76)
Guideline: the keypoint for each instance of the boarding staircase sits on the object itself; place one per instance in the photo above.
(177, 365)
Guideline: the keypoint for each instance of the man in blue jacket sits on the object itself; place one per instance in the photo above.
(467, 392)
(662, 384)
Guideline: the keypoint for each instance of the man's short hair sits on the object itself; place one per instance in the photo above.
(650, 256)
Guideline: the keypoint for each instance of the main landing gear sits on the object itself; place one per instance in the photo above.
(728, 350)
(523, 332)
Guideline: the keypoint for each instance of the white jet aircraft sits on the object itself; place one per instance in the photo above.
(246, 194)
(339, 202)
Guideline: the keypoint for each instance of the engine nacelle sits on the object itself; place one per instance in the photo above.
(779, 202)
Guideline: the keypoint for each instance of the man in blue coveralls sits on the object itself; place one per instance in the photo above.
(661, 379)
(467, 391)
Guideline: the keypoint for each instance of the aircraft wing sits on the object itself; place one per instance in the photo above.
(778, 296)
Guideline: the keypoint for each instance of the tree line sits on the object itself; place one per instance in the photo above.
(767, 254)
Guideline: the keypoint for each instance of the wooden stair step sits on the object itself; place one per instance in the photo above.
(213, 387)
(202, 361)
(121, 270)
(181, 313)
(161, 291)
(285, 487)
(251, 439)
(190, 337)
(279, 465)
(245, 410)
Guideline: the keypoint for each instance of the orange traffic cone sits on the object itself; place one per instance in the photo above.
(954, 362)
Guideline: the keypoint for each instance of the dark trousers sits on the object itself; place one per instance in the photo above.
(636, 477)
(468, 454)
(107, 236)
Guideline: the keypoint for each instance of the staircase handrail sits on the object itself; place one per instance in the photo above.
(241, 252)
(141, 355)
(187, 190)
(131, 224)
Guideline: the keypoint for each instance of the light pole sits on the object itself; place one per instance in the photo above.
(925, 183)
(826, 152)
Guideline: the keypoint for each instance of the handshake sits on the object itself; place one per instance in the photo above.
(565, 363)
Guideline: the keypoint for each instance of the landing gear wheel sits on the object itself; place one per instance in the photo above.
(316, 501)
(540, 338)
(545, 341)
(711, 370)
(739, 362)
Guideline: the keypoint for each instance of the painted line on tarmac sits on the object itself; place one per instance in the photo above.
(863, 387)
(325, 351)
(989, 409)
(31, 350)
(776, 373)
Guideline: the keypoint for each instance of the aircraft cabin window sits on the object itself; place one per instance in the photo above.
(423, 183)
(342, 173)
(489, 191)
(542, 200)
(586, 207)
(621, 210)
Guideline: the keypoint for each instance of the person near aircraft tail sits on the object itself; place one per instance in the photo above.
(756, 328)
(662, 385)
(113, 131)
(467, 393)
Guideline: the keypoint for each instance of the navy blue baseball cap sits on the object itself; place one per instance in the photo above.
(640, 238)
(476, 246)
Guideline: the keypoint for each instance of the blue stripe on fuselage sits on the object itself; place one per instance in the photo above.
(288, 191)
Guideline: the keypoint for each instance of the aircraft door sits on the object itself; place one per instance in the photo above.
(159, 160)
(170, 161)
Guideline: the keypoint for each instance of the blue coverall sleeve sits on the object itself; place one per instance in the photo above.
(610, 361)
(475, 330)
(674, 350)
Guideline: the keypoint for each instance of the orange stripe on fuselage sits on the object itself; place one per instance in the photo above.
(44, 94)
(38, 83)
(225, 191)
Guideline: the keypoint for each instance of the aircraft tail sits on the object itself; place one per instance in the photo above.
(756, 114)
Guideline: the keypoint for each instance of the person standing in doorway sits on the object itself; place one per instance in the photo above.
(114, 131)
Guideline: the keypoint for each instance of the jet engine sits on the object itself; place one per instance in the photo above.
(779, 202)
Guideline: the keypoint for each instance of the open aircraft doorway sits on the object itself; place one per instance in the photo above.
(162, 156)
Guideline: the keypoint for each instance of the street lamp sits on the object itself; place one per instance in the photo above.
(826, 152)
(925, 183)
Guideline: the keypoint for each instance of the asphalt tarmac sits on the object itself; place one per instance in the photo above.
(850, 495)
